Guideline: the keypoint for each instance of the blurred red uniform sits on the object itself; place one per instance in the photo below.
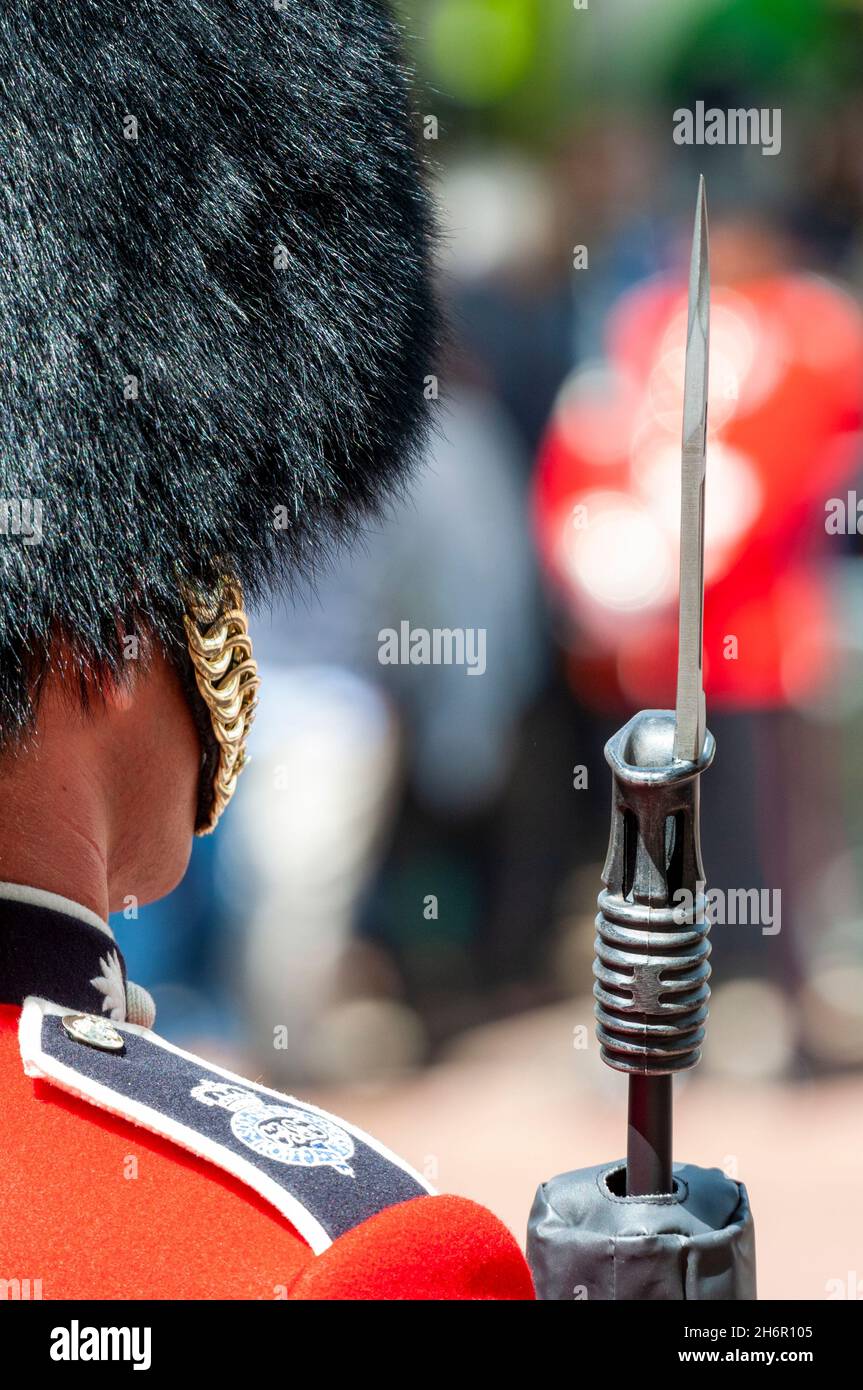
(786, 405)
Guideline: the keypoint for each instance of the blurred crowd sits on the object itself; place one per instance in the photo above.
(413, 851)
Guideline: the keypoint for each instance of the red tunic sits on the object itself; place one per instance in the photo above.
(94, 1206)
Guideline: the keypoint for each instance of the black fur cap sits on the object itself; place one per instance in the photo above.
(215, 314)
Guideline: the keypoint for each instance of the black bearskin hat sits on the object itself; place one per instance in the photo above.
(215, 320)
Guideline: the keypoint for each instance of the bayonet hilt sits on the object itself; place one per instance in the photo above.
(652, 951)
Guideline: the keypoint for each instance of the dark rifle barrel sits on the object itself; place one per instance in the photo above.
(648, 1143)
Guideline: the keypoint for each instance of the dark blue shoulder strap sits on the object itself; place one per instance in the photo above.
(324, 1175)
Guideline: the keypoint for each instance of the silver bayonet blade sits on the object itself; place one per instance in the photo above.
(691, 712)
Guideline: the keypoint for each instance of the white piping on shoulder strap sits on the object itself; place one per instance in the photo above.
(42, 1066)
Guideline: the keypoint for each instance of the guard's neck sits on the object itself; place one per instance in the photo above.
(54, 827)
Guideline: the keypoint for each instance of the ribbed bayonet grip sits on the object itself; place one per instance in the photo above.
(651, 963)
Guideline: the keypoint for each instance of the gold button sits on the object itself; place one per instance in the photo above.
(94, 1031)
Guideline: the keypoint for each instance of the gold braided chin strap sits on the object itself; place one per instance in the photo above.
(226, 674)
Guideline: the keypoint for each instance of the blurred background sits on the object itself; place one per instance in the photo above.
(396, 918)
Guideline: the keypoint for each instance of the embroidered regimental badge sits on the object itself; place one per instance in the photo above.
(282, 1133)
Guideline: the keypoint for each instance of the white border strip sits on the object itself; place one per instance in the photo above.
(40, 1065)
(40, 897)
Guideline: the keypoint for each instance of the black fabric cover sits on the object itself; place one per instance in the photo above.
(585, 1242)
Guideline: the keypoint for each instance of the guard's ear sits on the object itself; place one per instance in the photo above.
(111, 687)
